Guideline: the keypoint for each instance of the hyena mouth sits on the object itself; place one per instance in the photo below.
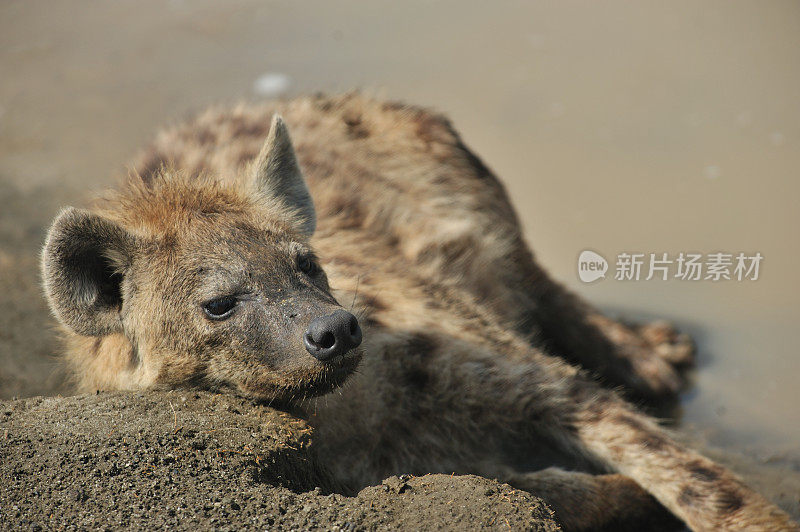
(334, 373)
(321, 380)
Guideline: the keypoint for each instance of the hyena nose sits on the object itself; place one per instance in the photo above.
(332, 335)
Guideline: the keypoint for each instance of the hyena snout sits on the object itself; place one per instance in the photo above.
(332, 335)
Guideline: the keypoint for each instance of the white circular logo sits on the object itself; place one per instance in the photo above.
(591, 266)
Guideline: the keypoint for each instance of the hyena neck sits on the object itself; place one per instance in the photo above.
(108, 362)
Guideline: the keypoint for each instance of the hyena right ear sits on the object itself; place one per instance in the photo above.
(277, 174)
(83, 261)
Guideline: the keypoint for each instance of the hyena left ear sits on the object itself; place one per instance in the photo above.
(277, 174)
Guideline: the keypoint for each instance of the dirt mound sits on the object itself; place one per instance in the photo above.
(188, 460)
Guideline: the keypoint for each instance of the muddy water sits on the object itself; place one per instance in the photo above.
(639, 127)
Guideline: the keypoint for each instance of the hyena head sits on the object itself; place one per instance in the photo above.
(210, 282)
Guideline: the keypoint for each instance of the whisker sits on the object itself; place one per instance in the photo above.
(355, 294)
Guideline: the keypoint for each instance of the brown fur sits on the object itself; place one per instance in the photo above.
(471, 354)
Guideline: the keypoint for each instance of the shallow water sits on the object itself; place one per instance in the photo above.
(645, 127)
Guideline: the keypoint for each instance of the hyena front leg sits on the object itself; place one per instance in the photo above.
(542, 402)
(702, 493)
(582, 501)
(601, 426)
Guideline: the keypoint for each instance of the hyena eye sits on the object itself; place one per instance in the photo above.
(307, 265)
(220, 308)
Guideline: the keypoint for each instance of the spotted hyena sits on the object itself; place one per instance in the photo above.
(395, 276)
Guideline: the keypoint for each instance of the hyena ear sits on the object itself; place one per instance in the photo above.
(277, 174)
(83, 263)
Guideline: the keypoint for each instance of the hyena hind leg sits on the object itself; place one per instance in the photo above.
(647, 362)
(658, 354)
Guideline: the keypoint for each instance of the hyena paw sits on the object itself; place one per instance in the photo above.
(659, 358)
(667, 343)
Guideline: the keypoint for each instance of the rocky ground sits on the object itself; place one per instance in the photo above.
(186, 460)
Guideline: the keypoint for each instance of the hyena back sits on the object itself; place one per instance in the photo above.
(212, 266)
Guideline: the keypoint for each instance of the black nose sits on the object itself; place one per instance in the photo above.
(332, 335)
